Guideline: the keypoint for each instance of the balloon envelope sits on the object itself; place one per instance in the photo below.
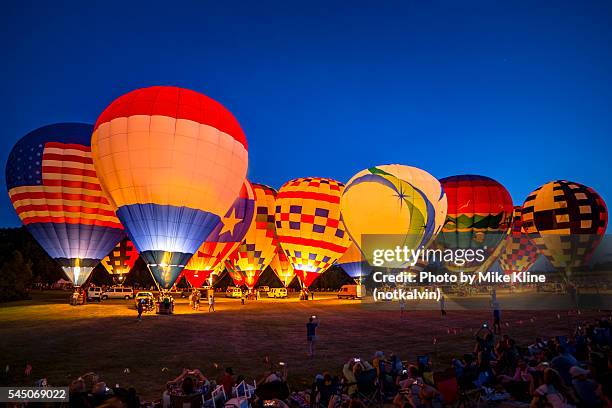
(519, 253)
(282, 267)
(566, 221)
(56, 192)
(121, 259)
(172, 161)
(224, 239)
(308, 225)
(479, 216)
(392, 205)
(258, 248)
(353, 263)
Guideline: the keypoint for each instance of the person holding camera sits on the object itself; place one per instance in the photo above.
(311, 334)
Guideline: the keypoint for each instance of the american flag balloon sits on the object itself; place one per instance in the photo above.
(54, 188)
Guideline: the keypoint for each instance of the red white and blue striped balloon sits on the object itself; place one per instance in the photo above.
(54, 188)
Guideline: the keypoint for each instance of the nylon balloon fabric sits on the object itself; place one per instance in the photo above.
(55, 190)
(479, 216)
(392, 205)
(224, 239)
(259, 246)
(172, 161)
(566, 220)
(121, 259)
(308, 225)
(519, 253)
(282, 267)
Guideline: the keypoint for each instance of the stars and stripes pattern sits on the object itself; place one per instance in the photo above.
(56, 182)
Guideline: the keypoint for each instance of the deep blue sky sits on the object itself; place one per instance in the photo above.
(519, 91)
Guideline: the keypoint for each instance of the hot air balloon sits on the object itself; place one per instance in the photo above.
(55, 190)
(224, 239)
(518, 253)
(393, 205)
(308, 225)
(353, 263)
(282, 267)
(259, 245)
(120, 260)
(566, 221)
(479, 217)
(172, 161)
(237, 277)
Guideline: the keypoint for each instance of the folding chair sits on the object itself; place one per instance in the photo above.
(446, 383)
(368, 388)
(217, 398)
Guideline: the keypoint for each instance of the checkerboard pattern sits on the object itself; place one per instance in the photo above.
(519, 253)
(259, 245)
(308, 223)
(121, 259)
(566, 221)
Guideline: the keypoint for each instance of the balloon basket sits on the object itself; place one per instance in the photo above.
(164, 308)
(76, 299)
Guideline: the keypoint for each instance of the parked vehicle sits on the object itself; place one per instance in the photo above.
(277, 293)
(147, 297)
(352, 292)
(94, 293)
(118, 292)
(233, 292)
(264, 289)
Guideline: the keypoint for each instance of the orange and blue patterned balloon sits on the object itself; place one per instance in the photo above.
(308, 225)
(172, 161)
(55, 190)
(224, 239)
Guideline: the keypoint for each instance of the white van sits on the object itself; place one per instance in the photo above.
(277, 293)
(118, 292)
(94, 293)
(352, 292)
(233, 292)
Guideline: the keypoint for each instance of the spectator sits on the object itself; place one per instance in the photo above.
(587, 390)
(311, 334)
(553, 392)
(562, 364)
(228, 381)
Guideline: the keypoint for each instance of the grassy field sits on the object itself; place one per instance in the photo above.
(61, 341)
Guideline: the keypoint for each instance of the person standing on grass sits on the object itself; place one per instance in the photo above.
(139, 307)
(496, 318)
(311, 334)
(211, 302)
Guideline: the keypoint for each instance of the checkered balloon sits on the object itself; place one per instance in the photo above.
(566, 221)
(518, 253)
(308, 225)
